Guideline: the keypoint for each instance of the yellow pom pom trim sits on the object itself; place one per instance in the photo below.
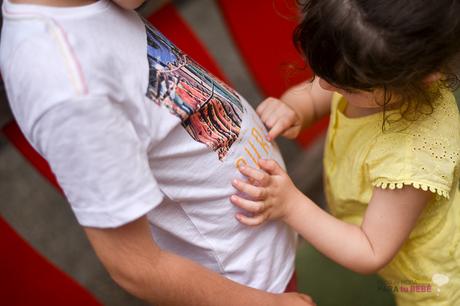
(384, 184)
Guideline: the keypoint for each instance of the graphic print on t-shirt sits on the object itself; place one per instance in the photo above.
(210, 111)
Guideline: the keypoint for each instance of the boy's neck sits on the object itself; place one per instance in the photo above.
(59, 3)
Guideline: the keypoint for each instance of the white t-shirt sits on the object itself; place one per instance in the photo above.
(132, 126)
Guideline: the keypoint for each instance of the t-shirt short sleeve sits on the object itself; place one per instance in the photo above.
(99, 161)
(424, 154)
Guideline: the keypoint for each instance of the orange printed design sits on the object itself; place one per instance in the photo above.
(257, 147)
(210, 111)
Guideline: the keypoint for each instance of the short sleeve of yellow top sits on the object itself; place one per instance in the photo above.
(359, 156)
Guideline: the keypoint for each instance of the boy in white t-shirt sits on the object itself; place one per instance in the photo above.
(144, 142)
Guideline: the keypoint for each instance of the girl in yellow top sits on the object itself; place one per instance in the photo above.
(391, 165)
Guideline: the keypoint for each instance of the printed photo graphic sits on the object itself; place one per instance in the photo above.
(210, 111)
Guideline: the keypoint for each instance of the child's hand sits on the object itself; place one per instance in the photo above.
(280, 118)
(270, 190)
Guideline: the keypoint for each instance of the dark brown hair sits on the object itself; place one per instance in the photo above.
(388, 44)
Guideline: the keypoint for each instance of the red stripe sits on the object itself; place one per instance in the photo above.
(27, 278)
(263, 30)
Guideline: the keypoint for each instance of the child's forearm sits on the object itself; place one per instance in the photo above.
(390, 217)
(309, 101)
(344, 243)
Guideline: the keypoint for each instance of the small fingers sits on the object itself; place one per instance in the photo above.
(278, 128)
(255, 175)
(277, 115)
(264, 105)
(251, 221)
(269, 116)
(278, 120)
(271, 166)
(261, 108)
(292, 132)
(268, 111)
(256, 193)
(250, 206)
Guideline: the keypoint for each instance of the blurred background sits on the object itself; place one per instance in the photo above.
(39, 214)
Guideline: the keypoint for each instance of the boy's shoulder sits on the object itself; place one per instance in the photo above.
(32, 40)
(24, 42)
(38, 73)
(34, 62)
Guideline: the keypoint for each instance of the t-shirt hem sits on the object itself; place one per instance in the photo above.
(281, 286)
(291, 274)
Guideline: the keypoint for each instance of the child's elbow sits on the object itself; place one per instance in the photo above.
(368, 267)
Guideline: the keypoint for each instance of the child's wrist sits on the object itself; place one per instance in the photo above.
(292, 204)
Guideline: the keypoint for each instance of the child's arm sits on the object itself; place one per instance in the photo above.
(388, 221)
(298, 108)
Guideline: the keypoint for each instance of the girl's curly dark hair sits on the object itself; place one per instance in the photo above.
(389, 44)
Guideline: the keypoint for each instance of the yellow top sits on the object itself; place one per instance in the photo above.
(425, 154)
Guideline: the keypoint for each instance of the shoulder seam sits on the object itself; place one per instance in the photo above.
(61, 42)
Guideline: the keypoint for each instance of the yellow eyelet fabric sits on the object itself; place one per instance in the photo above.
(424, 154)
